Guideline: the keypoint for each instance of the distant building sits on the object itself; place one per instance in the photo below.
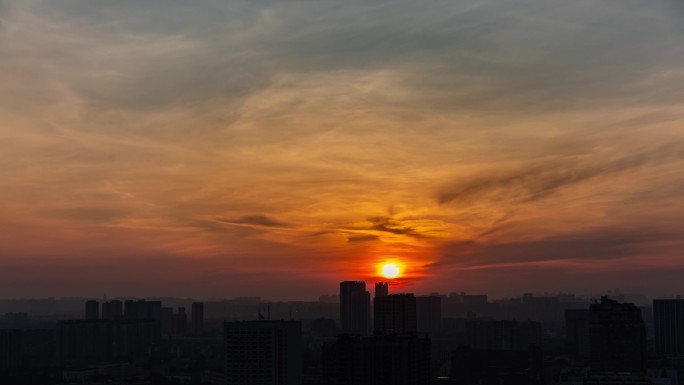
(391, 359)
(263, 353)
(395, 313)
(10, 351)
(112, 309)
(98, 340)
(16, 320)
(381, 289)
(354, 307)
(617, 337)
(92, 310)
(484, 334)
(429, 313)
(505, 367)
(180, 322)
(324, 327)
(577, 331)
(668, 317)
(197, 318)
(468, 299)
(142, 309)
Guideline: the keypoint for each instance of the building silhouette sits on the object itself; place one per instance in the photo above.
(501, 367)
(180, 322)
(381, 289)
(617, 337)
(668, 317)
(112, 309)
(197, 318)
(395, 313)
(429, 314)
(354, 307)
(142, 309)
(92, 310)
(263, 353)
(98, 340)
(486, 334)
(387, 359)
(10, 351)
(577, 332)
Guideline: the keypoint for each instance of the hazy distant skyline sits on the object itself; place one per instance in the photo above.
(275, 148)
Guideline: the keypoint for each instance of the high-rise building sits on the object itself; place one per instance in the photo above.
(395, 313)
(381, 289)
(577, 331)
(617, 337)
(92, 310)
(112, 309)
(429, 312)
(143, 309)
(167, 321)
(197, 318)
(477, 366)
(354, 307)
(263, 353)
(180, 322)
(668, 317)
(10, 351)
(97, 340)
(387, 359)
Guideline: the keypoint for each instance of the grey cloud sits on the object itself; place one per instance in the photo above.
(90, 214)
(254, 220)
(527, 53)
(538, 181)
(362, 238)
(595, 245)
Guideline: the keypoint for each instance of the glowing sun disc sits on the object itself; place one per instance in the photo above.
(390, 270)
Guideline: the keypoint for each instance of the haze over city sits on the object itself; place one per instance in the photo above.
(276, 148)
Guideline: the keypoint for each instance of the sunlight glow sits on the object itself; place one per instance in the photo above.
(390, 270)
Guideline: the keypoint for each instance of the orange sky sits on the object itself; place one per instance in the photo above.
(275, 148)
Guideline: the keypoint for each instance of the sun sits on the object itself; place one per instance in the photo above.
(390, 270)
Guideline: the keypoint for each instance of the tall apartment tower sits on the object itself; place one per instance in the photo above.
(668, 317)
(617, 337)
(143, 309)
(429, 311)
(112, 310)
(395, 313)
(354, 308)
(197, 318)
(263, 353)
(381, 289)
(92, 310)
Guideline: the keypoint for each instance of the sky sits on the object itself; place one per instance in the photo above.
(274, 148)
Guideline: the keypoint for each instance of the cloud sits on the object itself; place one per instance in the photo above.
(89, 214)
(254, 220)
(580, 246)
(482, 121)
(362, 238)
(538, 181)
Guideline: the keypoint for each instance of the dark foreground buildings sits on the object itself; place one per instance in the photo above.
(617, 337)
(263, 353)
(668, 316)
(396, 359)
(354, 307)
(394, 355)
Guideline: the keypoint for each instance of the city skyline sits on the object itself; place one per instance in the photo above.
(276, 149)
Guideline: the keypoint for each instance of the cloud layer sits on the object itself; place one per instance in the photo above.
(302, 142)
